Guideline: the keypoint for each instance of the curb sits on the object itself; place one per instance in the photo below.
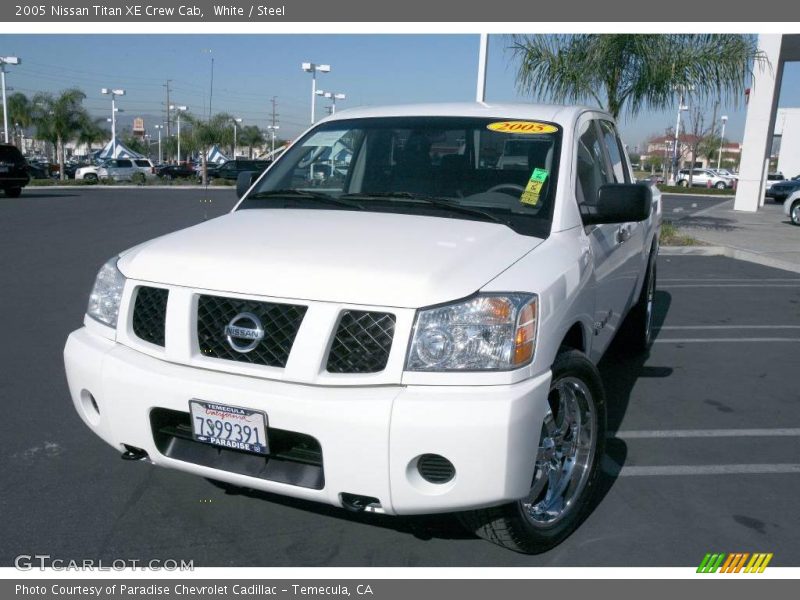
(729, 252)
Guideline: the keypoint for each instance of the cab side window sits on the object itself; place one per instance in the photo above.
(616, 153)
(593, 170)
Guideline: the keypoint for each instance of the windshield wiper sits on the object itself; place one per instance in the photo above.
(432, 201)
(304, 194)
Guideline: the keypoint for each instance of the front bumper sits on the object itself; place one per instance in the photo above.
(370, 436)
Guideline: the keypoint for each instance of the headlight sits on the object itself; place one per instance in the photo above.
(487, 332)
(106, 294)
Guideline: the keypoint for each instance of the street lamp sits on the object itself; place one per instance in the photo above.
(6, 60)
(312, 68)
(158, 128)
(333, 97)
(724, 119)
(179, 110)
(236, 120)
(272, 129)
(114, 93)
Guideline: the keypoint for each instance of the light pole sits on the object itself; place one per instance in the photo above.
(272, 129)
(333, 97)
(236, 120)
(312, 68)
(724, 119)
(113, 93)
(158, 128)
(676, 150)
(179, 110)
(6, 60)
(483, 59)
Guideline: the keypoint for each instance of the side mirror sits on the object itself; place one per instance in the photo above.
(620, 203)
(244, 181)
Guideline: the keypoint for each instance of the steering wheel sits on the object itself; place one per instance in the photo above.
(516, 189)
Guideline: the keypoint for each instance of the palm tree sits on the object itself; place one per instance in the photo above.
(59, 119)
(92, 132)
(206, 133)
(19, 114)
(251, 136)
(628, 73)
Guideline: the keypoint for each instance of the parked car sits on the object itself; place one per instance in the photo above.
(781, 190)
(230, 170)
(702, 177)
(430, 328)
(37, 171)
(175, 171)
(772, 179)
(13, 171)
(126, 169)
(88, 172)
(791, 207)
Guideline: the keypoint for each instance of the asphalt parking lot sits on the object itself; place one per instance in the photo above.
(703, 455)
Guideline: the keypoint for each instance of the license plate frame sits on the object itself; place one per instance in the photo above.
(216, 412)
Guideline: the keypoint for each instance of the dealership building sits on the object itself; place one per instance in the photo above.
(765, 120)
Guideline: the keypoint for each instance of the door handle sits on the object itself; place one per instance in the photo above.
(623, 234)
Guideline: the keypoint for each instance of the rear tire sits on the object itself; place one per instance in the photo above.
(637, 329)
(571, 447)
(720, 185)
(683, 183)
(15, 192)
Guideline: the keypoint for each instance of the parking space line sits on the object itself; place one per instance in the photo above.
(718, 340)
(614, 468)
(732, 280)
(705, 433)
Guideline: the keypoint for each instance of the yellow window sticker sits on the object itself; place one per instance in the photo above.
(534, 188)
(523, 127)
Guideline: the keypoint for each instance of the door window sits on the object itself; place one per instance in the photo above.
(593, 170)
(619, 164)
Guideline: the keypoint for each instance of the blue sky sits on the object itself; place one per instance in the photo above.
(250, 69)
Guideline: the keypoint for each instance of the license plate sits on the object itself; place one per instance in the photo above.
(229, 426)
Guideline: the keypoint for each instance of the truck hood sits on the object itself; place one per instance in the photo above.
(350, 257)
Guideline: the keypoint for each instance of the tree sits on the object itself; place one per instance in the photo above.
(629, 73)
(92, 131)
(216, 130)
(59, 119)
(251, 136)
(19, 115)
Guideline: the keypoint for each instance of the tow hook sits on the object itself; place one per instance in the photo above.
(133, 453)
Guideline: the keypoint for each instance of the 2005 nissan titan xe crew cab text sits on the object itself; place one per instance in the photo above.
(402, 315)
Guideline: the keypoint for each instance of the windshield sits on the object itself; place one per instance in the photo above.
(495, 170)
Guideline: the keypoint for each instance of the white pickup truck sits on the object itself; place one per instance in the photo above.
(405, 328)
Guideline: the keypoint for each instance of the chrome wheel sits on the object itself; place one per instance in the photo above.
(649, 302)
(566, 453)
(795, 213)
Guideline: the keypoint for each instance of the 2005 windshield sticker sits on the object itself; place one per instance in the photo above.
(522, 127)
(534, 188)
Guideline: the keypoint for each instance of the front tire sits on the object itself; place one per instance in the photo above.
(14, 192)
(683, 183)
(794, 213)
(571, 445)
(720, 185)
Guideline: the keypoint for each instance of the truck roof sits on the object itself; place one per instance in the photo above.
(544, 112)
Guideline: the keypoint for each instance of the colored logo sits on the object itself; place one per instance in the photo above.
(525, 127)
(737, 562)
